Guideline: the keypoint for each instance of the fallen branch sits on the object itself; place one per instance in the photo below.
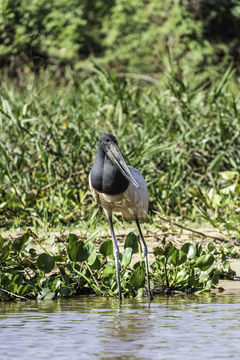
(12, 294)
(191, 230)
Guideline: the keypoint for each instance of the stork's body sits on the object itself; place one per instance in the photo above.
(131, 203)
(121, 189)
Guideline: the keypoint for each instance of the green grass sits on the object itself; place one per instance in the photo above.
(182, 134)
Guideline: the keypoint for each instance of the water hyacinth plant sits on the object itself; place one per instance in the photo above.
(82, 268)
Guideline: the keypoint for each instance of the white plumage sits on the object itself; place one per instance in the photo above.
(132, 203)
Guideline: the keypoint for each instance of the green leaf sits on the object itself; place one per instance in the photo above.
(65, 291)
(182, 276)
(204, 261)
(137, 278)
(178, 257)
(204, 277)
(96, 265)
(106, 249)
(158, 251)
(138, 264)
(1, 242)
(19, 242)
(77, 250)
(199, 249)
(140, 293)
(4, 253)
(226, 266)
(92, 257)
(131, 241)
(109, 270)
(50, 296)
(59, 258)
(211, 247)
(228, 175)
(190, 250)
(168, 249)
(127, 256)
(46, 294)
(45, 262)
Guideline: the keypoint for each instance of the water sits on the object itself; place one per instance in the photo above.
(180, 327)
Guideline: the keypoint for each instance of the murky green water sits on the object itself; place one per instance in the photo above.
(206, 327)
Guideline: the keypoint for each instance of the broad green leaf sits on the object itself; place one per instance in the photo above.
(46, 294)
(204, 277)
(106, 248)
(1, 242)
(190, 250)
(92, 257)
(182, 276)
(178, 257)
(77, 250)
(49, 296)
(96, 265)
(137, 278)
(109, 270)
(45, 262)
(127, 256)
(131, 241)
(204, 261)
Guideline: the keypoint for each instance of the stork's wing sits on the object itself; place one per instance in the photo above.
(139, 197)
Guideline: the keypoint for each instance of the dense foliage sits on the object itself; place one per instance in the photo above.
(131, 36)
(79, 268)
(183, 135)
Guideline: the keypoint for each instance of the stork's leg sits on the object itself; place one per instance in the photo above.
(145, 251)
(116, 256)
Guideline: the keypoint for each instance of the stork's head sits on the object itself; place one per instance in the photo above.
(106, 140)
(109, 145)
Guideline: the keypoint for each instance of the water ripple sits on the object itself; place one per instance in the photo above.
(95, 328)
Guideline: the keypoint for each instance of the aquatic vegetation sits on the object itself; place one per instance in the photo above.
(190, 268)
(82, 268)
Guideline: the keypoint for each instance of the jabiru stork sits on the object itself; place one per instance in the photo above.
(119, 188)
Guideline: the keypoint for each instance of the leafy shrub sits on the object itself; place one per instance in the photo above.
(133, 37)
(40, 33)
(220, 23)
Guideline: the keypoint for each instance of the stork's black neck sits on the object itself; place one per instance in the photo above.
(106, 177)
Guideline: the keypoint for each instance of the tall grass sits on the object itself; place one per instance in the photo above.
(182, 134)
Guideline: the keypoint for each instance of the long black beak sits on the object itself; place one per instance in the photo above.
(116, 157)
